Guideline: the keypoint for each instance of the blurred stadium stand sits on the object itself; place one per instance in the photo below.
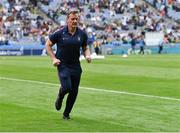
(171, 8)
(26, 24)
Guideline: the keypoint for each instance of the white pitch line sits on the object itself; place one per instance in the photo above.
(93, 89)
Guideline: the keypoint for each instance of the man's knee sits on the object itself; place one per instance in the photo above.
(67, 88)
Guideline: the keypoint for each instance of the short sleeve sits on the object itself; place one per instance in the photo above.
(54, 37)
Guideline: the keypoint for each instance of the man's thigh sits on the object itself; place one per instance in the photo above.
(75, 80)
(65, 79)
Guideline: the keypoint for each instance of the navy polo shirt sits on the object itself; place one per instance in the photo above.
(68, 45)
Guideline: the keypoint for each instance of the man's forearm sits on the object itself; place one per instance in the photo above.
(87, 55)
(50, 50)
(87, 52)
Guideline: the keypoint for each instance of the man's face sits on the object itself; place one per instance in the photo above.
(73, 20)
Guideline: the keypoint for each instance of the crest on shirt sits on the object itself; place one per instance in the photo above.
(79, 39)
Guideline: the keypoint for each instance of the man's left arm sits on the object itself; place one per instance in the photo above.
(87, 53)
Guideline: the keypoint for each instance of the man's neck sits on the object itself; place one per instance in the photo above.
(72, 30)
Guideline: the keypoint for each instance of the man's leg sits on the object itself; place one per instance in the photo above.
(75, 80)
(60, 98)
(65, 81)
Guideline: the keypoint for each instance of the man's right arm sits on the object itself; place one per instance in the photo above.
(49, 49)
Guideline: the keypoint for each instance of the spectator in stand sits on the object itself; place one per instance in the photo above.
(162, 43)
(142, 42)
(97, 47)
(91, 39)
(132, 42)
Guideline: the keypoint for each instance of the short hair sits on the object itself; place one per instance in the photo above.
(72, 11)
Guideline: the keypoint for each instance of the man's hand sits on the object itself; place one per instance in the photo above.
(87, 54)
(88, 59)
(56, 62)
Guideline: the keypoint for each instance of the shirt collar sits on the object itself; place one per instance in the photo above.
(66, 29)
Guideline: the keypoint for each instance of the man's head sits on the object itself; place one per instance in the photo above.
(73, 18)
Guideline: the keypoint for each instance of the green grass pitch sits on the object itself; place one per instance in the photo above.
(134, 94)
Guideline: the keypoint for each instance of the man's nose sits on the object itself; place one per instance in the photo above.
(75, 20)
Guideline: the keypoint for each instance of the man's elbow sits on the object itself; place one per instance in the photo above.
(48, 43)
